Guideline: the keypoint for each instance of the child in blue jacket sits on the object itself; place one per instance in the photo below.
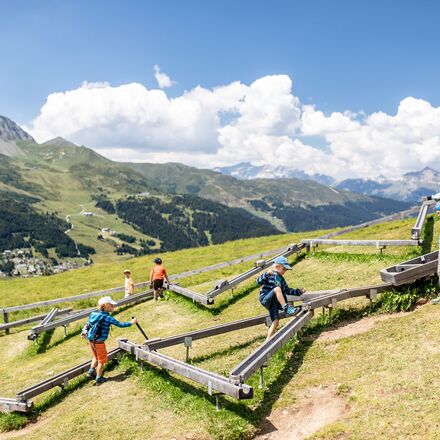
(274, 291)
(99, 324)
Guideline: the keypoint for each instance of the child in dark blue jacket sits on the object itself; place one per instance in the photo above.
(274, 291)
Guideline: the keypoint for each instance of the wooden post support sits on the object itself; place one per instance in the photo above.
(438, 264)
(65, 330)
(372, 295)
(261, 384)
(6, 320)
(188, 344)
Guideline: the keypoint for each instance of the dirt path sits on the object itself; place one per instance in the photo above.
(318, 407)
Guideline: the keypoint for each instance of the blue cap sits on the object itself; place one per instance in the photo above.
(283, 261)
(437, 206)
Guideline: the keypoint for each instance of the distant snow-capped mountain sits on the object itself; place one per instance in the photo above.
(247, 171)
(410, 187)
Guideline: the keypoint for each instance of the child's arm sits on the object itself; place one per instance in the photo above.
(166, 275)
(296, 292)
(117, 323)
(262, 278)
(151, 276)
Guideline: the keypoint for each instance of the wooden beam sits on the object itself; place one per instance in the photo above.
(10, 405)
(259, 357)
(59, 379)
(212, 380)
(416, 231)
(158, 343)
(411, 270)
(195, 296)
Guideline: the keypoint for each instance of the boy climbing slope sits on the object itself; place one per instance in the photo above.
(274, 291)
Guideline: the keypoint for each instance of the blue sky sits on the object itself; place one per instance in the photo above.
(341, 55)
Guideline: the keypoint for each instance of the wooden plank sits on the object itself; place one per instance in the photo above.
(158, 343)
(417, 229)
(6, 320)
(212, 380)
(227, 285)
(59, 379)
(411, 270)
(259, 357)
(197, 297)
(10, 405)
(343, 294)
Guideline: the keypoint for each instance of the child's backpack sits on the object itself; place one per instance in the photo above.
(93, 331)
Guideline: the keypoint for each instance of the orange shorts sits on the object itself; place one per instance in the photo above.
(99, 351)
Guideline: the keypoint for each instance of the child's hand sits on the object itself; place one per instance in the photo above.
(302, 290)
(134, 321)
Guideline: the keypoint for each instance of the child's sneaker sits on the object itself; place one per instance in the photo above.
(290, 310)
(92, 373)
(100, 380)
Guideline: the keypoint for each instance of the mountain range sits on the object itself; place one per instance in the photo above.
(410, 187)
(156, 206)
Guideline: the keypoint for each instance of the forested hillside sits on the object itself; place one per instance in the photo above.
(187, 221)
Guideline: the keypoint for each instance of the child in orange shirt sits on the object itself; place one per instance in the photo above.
(157, 276)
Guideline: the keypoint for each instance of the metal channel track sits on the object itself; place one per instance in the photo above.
(67, 299)
(224, 285)
(61, 379)
(31, 319)
(260, 356)
(212, 380)
(196, 297)
(416, 231)
(411, 270)
(10, 405)
(22, 403)
(155, 344)
(377, 243)
(35, 331)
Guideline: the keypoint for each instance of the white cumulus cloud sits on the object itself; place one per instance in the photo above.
(262, 122)
(163, 80)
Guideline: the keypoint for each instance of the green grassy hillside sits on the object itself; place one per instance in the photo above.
(68, 180)
(383, 378)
